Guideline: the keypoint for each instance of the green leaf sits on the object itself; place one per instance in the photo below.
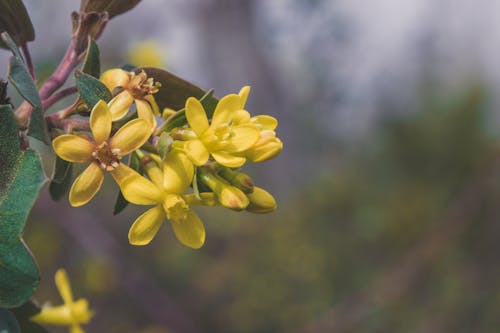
(61, 178)
(174, 91)
(21, 180)
(10, 44)
(91, 89)
(15, 20)
(92, 63)
(22, 81)
(8, 323)
(121, 203)
(113, 7)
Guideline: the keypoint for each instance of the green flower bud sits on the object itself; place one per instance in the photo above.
(238, 179)
(261, 201)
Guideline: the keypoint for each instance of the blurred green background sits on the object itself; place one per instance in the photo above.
(387, 186)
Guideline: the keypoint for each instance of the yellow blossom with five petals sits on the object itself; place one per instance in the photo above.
(220, 139)
(71, 313)
(103, 152)
(134, 88)
(169, 180)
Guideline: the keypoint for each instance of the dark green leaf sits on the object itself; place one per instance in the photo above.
(121, 203)
(21, 180)
(3, 93)
(61, 179)
(22, 81)
(8, 323)
(91, 89)
(92, 64)
(15, 20)
(174, 91)
(113, 7)
(10, 44)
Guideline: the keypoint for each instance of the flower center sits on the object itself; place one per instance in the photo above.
(107, 157)
(176, 208)
(141, 86)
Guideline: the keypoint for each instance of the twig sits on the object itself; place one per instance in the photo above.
(29, 62)
(68, 125)
(56, 97)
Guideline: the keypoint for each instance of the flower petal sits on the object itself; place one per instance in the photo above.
(121, 172)
(196, 152)
(100, 122)
(264, 152)
(146, 226)
(244, 92)
(241, 117)
(144, 111)
(196, 116)
(86, 185)
(114, 78)
(120, 104)
(225, 109)
(191, 231)
(243, 137)
(265, 122)
(178, 172)
(62, 284)
(140, 191)
(228, 159)
(131, 136)
(73, 148)
(151, 100)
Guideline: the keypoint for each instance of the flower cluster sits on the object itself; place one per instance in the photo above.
(196, 163)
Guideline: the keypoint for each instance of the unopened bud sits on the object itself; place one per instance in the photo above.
(203, 199)
(229, 196)
(266, 148)
(238, 179)
(261, 201)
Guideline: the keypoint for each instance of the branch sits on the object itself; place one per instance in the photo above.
(29, 62)
(58, 96)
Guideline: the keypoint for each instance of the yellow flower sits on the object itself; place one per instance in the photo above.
(71, 313)
(146, 53)
(220, 138)
(103, 152)
(164, 191)
(268, 145)
(133, 87)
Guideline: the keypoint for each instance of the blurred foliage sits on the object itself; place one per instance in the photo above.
(332, 240)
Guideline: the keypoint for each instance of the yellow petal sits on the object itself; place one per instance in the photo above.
(154, 171)
(228, 159)
(264, 152)
(131, 136)
(265, 122)
(196, 152)
(261, 201)
(146, 226)
(144, 111)
(114, 78)
(178, 172)
(196, 116)
(86, 185)
(54, 315)
(191, 231)
(62, 284)
(73, 148)
(80, 311)
(241, 117)
(120, 105)
(76, 329)
(100, 122)
(140, 191)
(243, 137)
(151, 100)
(121, 172)
(244, 92)
(224, 111)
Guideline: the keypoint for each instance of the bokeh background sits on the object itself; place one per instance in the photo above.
(388, 184)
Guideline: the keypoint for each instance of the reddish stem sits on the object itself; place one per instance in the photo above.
(58, 96)
(68, 125)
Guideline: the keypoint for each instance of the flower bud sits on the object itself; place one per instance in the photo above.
(229, 196)
(238, 179)
(261, 201)
(265, 148)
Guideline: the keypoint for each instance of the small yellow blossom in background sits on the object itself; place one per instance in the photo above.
(169, 180)
(146, 53)
(220, 139)
(103, 152)
(71, 313)
(132, 88)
